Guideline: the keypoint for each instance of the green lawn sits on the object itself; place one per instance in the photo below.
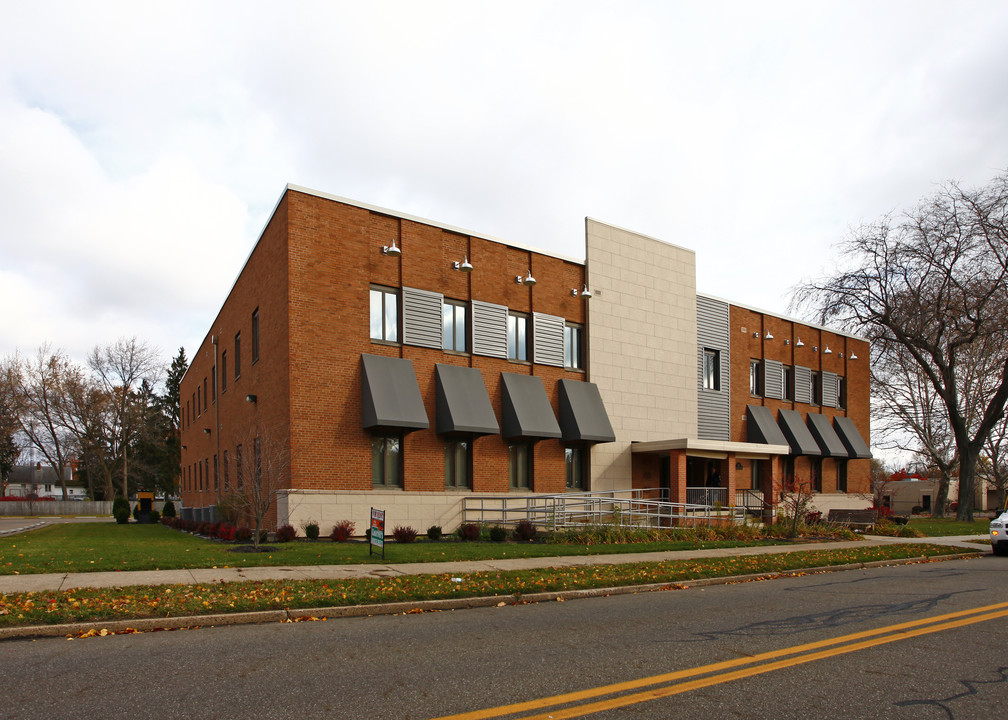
(942, 527)
(97, 605)
(94, 547)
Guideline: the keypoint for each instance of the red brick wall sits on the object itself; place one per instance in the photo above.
(743, 324)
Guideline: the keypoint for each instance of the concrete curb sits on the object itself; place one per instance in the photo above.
(420, 606)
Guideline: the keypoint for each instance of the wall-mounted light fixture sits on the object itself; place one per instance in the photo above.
(768, 335)
(391, 250)
(464, 266)
(853, 356)
(527, 280)
(185, 447)
(251, 398)
(206, 430)
(584, 292)
(827, 351)
(787, 341)
(815, 348)
(756, 335)
(799, 343)
(841, 356)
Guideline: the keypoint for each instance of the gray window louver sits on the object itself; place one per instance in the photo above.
(773, 379)
(830, 387)
(803, 384)
(489, 328)
(713, 406)
(547, 339)
(422, 322)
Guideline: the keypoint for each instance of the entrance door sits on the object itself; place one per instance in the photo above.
(665, 477)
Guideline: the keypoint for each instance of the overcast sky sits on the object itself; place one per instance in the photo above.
(143, 146)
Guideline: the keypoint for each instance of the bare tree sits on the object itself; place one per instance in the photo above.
(262, 470)
(910, 416)
(38, 385)
(794, 501)
(88, 413)
(120, 368)
(933, 283)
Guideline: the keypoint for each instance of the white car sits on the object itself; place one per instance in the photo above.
(999, 534)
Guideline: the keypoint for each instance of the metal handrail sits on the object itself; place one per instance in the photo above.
(594, 508)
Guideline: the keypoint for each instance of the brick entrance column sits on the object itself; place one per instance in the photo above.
(678, 472)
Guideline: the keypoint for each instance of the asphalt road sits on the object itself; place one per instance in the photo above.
(435, 664)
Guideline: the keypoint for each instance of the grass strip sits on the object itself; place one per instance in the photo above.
(95, 605)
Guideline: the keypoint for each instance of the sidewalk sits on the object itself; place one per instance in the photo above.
(68, 581)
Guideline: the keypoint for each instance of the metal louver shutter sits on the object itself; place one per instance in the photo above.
(489, 324)
(422, 323)
(547, 339)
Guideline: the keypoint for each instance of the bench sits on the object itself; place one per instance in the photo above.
(865, 518)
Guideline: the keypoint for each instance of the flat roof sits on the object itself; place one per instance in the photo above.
(787, 318)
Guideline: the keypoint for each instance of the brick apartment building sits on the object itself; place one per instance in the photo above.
(406, 364)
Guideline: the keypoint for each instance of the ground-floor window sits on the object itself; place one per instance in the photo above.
(755, 475)
(386, 460)
(520, 465)
(841, 476)
(458, 464)
(574, 460)
(816, 475)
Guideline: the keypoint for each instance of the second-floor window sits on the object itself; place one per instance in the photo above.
(755, 386)
(384, 314)
(711, 369)
(574, 347)
(237, 357)
(255, 336)
(454, 322)
(518, 340)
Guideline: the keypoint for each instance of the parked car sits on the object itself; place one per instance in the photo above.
(999, 534)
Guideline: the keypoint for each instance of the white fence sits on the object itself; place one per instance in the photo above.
(55, 507)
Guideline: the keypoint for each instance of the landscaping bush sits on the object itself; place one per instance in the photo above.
(136, 512)
(434, 532)
(285, 533)
(342, 531)
(154, 517)
(120, 503)
(169, 509)
(226, 532)
(404, 534)
(498, 534)
(121, 515)
(242, 534)
(916, 510)
(813, 518)
(311, 529)
(524, 531)
(468, 531)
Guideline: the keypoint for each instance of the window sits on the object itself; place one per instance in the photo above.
(711, 369)
(384, 315)
(574, 460)
(199, 466)
(206, 397)
(816, 389)
(520, 466)
(237, 355)
(386, 461)
(216, 474)
(239, 467)
(518, 346)
(841, 476)
(199, 401)
(453, 315)
(227, 479)
(788, 470)
(255, 336)
(257, 455)
(841, 392)
(755, 475)
(788, 383)
(755, 386)
(574, 347)
(458, 464)
(223, 377)
(213, 384)
(195, 407)
(816, 474)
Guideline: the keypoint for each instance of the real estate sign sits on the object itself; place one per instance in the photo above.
(377, 534)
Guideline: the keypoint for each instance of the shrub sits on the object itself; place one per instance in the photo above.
(154, 516)
(524, 531)
(883, 512)
(404, 534)
(136, 512)
(286, 533)
(434, 532)
(121, 515)
(120, 503)
(242, 534)
(226, 531)
(468, 531)
(813, 518)
(169, 509)
(311, 529)
(498, 534)
(342, 531)
(916, 510)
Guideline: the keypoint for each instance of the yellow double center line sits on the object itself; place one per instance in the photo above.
(665, 685)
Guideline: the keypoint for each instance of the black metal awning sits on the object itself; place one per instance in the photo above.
(761, 427)
(797, 433)
(463, 406)
(851, 438)
(822, 431)
(390, 396)
(525, 409)
(583, 417)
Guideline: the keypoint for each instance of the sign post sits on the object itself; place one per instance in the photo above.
(377, 534)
